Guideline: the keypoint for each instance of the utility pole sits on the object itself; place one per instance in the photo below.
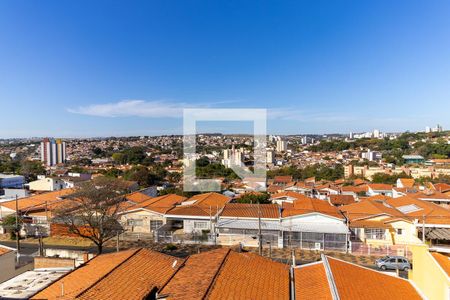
(17, 228)
(117, 241)
(259, 230)
(347, 236)
(423, 229)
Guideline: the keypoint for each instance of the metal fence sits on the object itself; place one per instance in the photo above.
(358, 248)
(195, 238)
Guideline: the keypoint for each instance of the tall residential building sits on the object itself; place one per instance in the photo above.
(281, 146)
(270, 156)
(232, 157)
(376, 133)
(53, 151)
(438, 128)
(371, 155)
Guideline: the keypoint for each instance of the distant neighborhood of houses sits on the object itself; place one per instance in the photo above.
(344, 207)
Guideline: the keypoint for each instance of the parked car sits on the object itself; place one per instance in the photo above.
(393, 263)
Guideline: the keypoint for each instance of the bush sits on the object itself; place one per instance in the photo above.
(170, 247)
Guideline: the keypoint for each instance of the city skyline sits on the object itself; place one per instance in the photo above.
(93, 69)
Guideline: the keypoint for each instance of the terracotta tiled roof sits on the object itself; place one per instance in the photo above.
(37, 200)
(130, 274)
(194, 279)
(368, 223)
(145, 271)
(303, 185)
(207, 204)
(434, 214)
(137, 197)
(358, 181)
(407, 182)
(356, 282)
(341, 199)
(160, 204)
(85, 276)
(310, 179)
(405, 190)
(350, 282)
(354, 189)
(210, 199)
(339, 181)
(442, 187)
(193, 210)
(443, 261)
(431, 194)
(245, 210)
(380, 186)
(307, 205)
(250, 276)
(377, 197)
(369, 208)
(274, 189)
(311, 282)
(287, 194)
(282, 179)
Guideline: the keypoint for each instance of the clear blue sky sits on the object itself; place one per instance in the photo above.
(97, 68)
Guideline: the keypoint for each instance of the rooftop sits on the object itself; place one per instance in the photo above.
(333, 278)
(126, 274)
(27, 284)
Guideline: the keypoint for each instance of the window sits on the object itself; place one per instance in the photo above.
(155, 224)
(135, 222)
(200, 225)
(392, 260)
(374, 233)
(399, 231)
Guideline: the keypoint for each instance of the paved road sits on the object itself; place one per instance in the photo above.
(31, 248)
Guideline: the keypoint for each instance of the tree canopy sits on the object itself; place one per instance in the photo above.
(92, 210)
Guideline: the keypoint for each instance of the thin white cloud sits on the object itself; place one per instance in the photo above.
(133, 108)
(294, 114)
(167, 109)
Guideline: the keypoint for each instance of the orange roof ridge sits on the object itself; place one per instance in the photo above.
(174, 273)
(219, 270)
(329, 273)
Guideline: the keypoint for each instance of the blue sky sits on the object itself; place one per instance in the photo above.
(102, 68)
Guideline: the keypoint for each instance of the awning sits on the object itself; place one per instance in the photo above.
(436, 233)
(296, 227)
(248, 224)
(317, 227)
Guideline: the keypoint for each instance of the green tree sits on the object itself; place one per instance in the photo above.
(262, 198)
(388, 179)
(30, 169)
(10, 225)
(92, 210)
